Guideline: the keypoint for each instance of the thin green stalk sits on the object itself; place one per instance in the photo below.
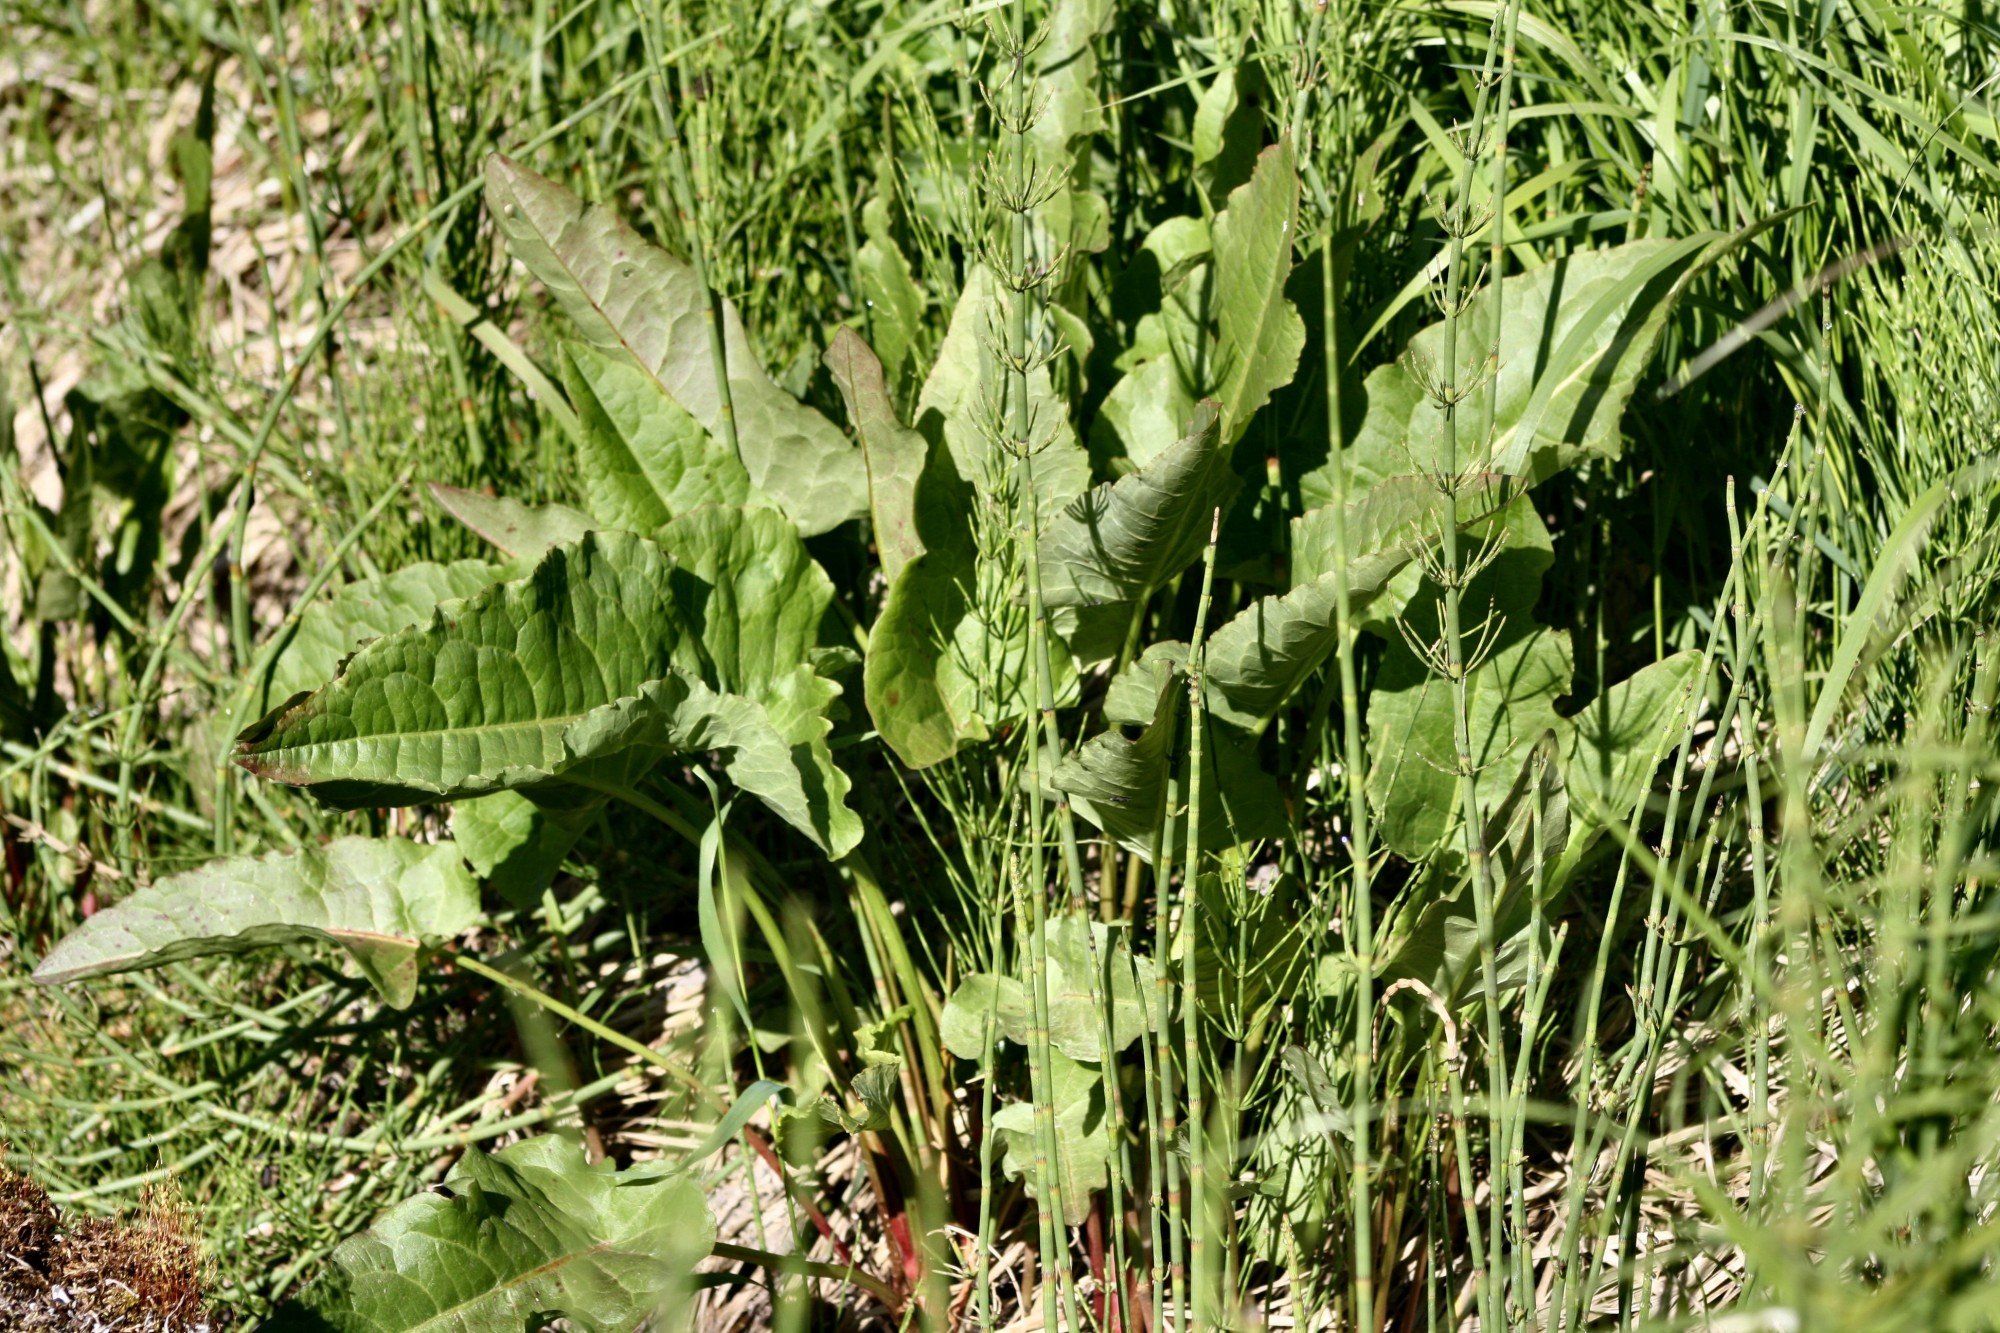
(983, 1261)
(1453, 572)
(1354, 770)
(1760, 1017)
(1175, 1263)
(686, 208)
(1198, 1185)
(1020, 428)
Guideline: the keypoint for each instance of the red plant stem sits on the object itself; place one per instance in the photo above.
(799, 1196)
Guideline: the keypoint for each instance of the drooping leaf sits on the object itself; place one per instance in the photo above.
(1118, 779)
(380, 899)
(1270, 648)
(629, 297)
(642, 459)
(1578, 334)
(1258, 659)
(1258, 334)
(614, 648)
(1120, 541)
(525, 532)
(895, 454)
(331, 629)
(1084, 1141)
(513, 1238)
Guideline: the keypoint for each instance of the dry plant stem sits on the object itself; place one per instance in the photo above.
(794, 1264)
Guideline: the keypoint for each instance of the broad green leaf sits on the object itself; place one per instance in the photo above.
(1228, 128)
(1069, 102)
(1258, 335)
(1440, 944)
(1090, 971)
(614, 648)
(910, 652)
(984, 995)
(515, 844)
(967, 385)
(513, 1238)
(525, 532)
(1577, 335)
(1092, 975)
(895, 307)
(1084, 1138)
(331, 629)
(1120, 541)
(1118, 779)
(1323, 1099)
(1164, 296)
(1145, 412)
(641, 457)
(1389, 525)
(948, 659)
(380, 899)
(760, 597)
(895, 454)
(1510, 700)
(1611, 747)
(628, 296)
(1257, 660)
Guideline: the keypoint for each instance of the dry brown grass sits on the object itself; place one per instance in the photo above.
(146, 1274)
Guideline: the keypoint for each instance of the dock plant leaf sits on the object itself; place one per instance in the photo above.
(513, 1238)
(381, 899)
